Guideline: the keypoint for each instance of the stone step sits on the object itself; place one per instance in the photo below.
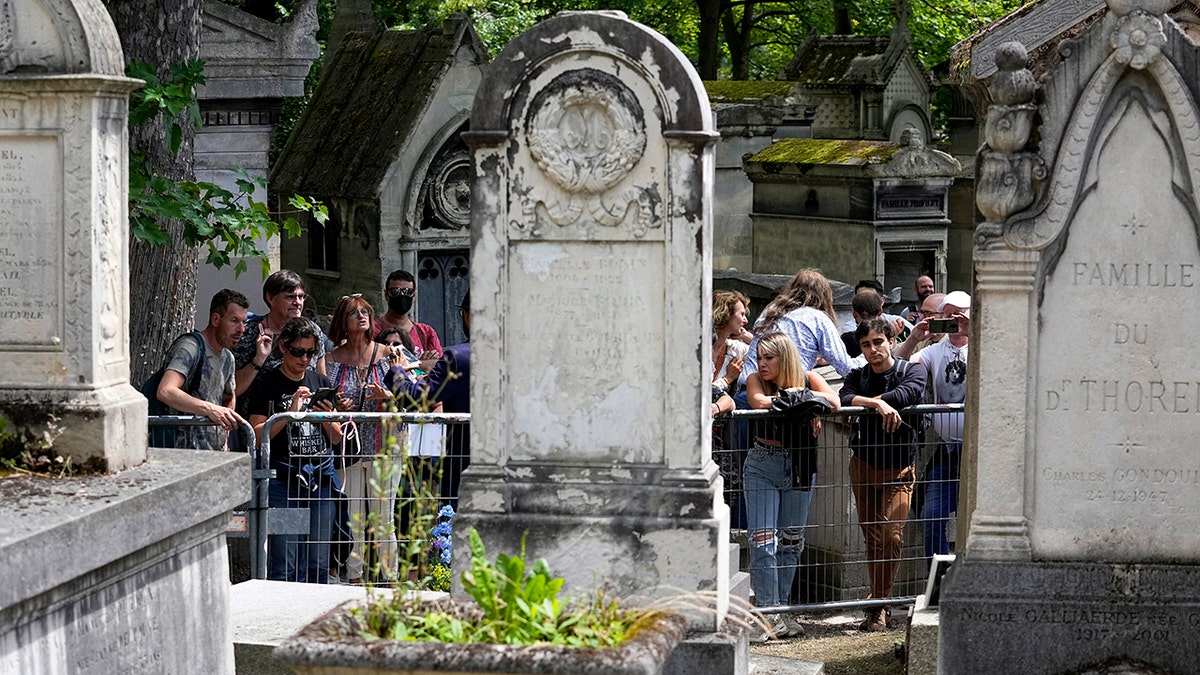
(765, 664)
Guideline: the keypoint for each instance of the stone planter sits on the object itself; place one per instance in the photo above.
(313, 651)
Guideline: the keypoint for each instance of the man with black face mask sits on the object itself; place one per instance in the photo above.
(449, 383)
(400, 292)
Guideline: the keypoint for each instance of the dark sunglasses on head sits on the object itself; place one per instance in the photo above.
(301, 353)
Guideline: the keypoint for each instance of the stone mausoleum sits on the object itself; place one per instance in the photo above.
(380, 145)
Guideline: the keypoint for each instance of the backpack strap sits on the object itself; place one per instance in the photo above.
(192, 382)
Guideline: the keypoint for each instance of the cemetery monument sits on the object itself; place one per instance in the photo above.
(591, 240)
(1082, 547)
(126, 571)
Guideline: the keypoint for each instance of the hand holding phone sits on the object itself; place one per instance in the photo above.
(324, 394)
(943, 326)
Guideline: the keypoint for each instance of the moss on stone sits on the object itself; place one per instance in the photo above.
(741, 90)
(825, 151)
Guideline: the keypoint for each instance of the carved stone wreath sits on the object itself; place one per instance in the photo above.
(1138, 40)
(586, 131)
(449, 189)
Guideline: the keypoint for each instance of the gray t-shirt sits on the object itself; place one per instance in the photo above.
(216, 385)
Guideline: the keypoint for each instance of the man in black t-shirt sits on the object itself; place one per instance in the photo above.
(301, 454)
(881, 471)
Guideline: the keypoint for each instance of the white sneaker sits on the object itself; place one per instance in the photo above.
(794, 627)
(770, 627)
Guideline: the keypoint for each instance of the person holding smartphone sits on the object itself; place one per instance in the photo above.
(881, 471)
(301, 454)
(946, 362)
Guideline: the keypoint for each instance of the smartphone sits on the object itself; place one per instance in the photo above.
(943, 325)
(324, 394)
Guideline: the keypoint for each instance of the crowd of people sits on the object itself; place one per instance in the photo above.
(886, 362)
(246, 367)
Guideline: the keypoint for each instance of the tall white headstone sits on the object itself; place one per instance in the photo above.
(1082, 545)
(590, 254)
(64, 340)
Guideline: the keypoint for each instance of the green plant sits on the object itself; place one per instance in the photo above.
(229, 224)
(514, 604)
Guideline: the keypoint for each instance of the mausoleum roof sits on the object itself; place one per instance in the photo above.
(738, 91)
(372, 95)
(876, 159)
(792, 151)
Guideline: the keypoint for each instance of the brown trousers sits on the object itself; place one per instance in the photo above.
(882, 497)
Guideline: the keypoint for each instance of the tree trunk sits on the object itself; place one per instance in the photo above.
(162, 279)
(841, 18)
(738, 31)
(708, 44)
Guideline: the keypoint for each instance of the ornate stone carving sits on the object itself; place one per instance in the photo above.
(448, 189)
(1008, 175)
(8, 37)
(1138, 39)
(586, 133)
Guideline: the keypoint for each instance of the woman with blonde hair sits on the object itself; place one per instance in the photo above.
(776, 500)
(803, 311)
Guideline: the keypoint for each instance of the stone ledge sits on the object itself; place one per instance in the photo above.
(56, 530)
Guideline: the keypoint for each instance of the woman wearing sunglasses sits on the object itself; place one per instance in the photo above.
(357, 368)
(301, 454)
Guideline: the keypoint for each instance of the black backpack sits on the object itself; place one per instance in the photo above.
(164, 436)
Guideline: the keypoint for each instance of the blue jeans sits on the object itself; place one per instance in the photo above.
(777, 514)
(941, 499)
(293, 557)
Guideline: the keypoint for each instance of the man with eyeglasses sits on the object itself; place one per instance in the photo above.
(920, 337)
(256, 351)
(946, 361)
(400, 292)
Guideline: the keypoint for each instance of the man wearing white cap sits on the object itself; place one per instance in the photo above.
(946, 362)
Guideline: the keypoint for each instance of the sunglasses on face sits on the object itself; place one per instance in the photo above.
(301, 353)
(361, 311)
(398, 292)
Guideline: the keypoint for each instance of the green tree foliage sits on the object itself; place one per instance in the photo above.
(755, 38)
(936, 25)
(227, 224)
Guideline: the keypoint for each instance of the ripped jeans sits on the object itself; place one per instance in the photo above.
(777, 514)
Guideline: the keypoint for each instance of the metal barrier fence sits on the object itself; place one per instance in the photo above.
(834, 563)
(299, 514)
(346, 512)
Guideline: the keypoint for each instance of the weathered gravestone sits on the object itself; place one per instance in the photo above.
(1082, 545)
(64, 338)
(123, 572)
(591, 230)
